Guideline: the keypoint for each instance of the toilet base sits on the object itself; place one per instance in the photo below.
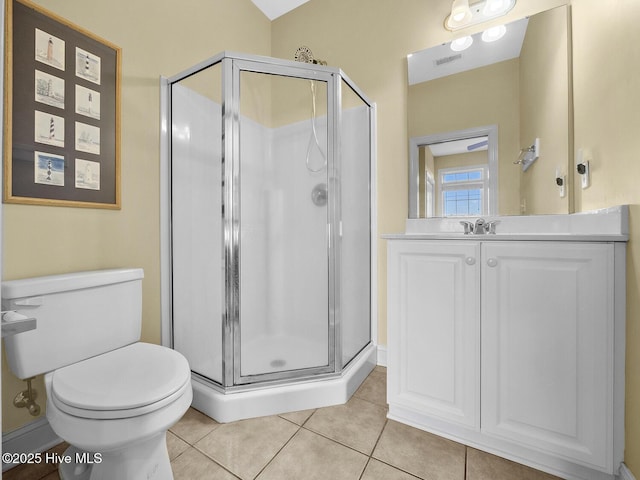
(75, 469)
(145, 460)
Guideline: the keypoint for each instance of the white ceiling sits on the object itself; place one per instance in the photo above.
(275, 8)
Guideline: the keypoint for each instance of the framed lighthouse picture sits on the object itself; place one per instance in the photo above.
(62, 112)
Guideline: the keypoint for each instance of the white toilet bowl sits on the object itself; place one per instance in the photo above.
(119, 405)
(110, 396)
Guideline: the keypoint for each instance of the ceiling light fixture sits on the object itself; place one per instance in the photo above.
(460, 44)
(464, 15)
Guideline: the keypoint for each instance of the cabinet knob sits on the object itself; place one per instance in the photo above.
(470, 260)
(492, 262)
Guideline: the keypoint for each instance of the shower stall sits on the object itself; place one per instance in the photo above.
(267, 233)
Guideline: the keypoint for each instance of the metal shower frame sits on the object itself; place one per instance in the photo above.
(232, 64)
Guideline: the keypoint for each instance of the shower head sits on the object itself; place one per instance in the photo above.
(304, 55)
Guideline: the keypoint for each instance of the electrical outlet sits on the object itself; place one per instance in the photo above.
(582, 166)
(585, 179)
(561, 182)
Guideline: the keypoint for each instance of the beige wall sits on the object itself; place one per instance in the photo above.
(159, 37)
(426, 168)
(606, 63)
(544, 110)
(369, 39)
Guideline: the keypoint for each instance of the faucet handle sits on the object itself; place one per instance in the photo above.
(468, 226)
(490, 226)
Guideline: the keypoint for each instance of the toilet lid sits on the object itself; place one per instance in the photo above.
(129, 378)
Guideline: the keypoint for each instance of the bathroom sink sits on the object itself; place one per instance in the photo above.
(604, 224)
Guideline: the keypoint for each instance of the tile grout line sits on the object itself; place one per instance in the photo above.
(386, 420)
(388, 464)
(281, 448)
(214, 461)
(369, 456)
(193, 445)
(197, 440)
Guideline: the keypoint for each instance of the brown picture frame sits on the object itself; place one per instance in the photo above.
(62, 112)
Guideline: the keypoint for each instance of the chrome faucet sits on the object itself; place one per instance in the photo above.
(481, 226)
(468, 226)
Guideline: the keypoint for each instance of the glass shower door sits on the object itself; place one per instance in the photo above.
(282, 220)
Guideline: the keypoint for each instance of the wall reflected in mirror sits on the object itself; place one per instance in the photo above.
(521, 86)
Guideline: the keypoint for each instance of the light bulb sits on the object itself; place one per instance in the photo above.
(460, 12)
(460, 44)
(493, 7)
(494, 33)
(458, 16)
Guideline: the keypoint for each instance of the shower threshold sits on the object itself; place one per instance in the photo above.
(290, 397)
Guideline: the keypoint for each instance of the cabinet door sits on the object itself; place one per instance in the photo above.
(433, 328)
(547, 347)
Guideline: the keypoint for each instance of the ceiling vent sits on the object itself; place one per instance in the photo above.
(444, 60)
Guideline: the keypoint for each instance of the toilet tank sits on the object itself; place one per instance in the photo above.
(79, 315)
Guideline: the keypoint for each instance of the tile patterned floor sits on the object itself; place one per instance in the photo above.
(354, 441)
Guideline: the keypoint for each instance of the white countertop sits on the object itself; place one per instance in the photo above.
(567, 237)
(604, 225)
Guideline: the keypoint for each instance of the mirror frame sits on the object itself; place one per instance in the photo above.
(490, 131)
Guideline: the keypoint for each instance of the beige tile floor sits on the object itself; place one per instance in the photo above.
(354, 441)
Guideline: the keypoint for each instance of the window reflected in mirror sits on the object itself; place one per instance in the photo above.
(454, 178)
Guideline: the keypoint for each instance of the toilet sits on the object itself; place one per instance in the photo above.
(110, 396)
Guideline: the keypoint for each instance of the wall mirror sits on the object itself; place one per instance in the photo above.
(475, 115)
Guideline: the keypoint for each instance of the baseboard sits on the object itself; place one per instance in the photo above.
(382, 355)
(625, 473)
(36, 436)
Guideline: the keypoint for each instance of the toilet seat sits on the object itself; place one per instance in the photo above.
(130, 381)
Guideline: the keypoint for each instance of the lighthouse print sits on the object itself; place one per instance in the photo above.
(49, 129)
(49, 169)
(87, 174)
(49, 49)
(88, 66)
(87, 102)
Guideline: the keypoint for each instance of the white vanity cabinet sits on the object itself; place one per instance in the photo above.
(514, 347)
(434, 327)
